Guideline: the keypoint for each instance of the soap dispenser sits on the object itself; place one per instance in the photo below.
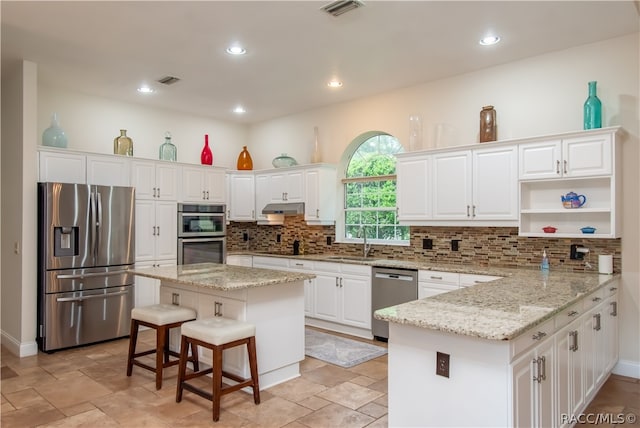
(545, 261)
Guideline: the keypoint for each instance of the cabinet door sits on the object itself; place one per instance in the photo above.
(277, 187)
(242, 205)
(108, 170)
(166, 181)
(452, 186)
(294, 191)
(587, 156)
(62, 167)
(540, 160)
(546, 394)
(263, 195)
(523, 391)
(309, 292)
(192, 189)
(320, 196)
(147, 291)
(569, 368)
(495, 189)
(414, 188)
(143, 178)
(428, 289)
(356, 301)
(240, 260)
(145, 230)
(326, 297)
(214, 185)
(166, 230)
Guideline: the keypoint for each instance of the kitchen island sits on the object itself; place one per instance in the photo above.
(272, 300)
(528, 350)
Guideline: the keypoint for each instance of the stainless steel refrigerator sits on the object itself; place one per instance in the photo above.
(85, 250)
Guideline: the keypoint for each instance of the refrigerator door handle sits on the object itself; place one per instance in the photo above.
(95, 296)
(92, 222)
(98, 222)
(89, 275)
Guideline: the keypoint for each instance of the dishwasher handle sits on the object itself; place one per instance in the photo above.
(394, 276)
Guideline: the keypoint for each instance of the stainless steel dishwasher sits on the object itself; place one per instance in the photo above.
(390, 287)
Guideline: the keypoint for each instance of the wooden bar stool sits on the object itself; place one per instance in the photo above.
(162, 318)
(217, 334)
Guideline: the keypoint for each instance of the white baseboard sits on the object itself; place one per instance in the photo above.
(627, 368)
(21, 349)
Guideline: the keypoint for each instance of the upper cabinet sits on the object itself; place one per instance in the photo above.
(413, 196)
(587, 165)
(108, 170)
(203, 184)
(241, 204)
(156, 180)
(61, 166)
(285, 186)
(320, 194)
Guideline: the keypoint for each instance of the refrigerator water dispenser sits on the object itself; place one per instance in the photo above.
(65, 241)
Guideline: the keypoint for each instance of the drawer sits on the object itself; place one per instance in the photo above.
(568, 315)
(327, 267)
(433, 276)
(532, 337)
(270, 262)
(468, 279)
(594, 299)
(353, 269)
(306, 265)
(611, 288)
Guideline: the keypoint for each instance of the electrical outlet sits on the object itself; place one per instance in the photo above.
(442, 364)
(245, 236)
(427, 244)
(278, 237)
(454, 244)
(328, 240)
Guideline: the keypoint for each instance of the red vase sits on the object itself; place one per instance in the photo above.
(206, 157)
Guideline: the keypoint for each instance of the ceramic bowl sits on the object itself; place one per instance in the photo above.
(549, 229)
(588, 229)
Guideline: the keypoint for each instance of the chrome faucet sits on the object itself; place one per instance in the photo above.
(366, 247)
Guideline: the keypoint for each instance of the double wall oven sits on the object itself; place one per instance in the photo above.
(201, 234)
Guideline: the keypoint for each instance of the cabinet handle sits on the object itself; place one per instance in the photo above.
(572, 314)
(436, 277)
(337, 282)
(535, 368)
(217, 309)
(613, 289)
(317, 213)
(543, 368)
(539, 335)
(614, 311)
(596, 299)
(175, 299)
(468, 215)
(203, 195)
(154, 192)
(558, 167)
(158, 192)
(253, 213)
(340, 282)
(539, 369)
(154, 231)
(565, 167)
(473, 212)
(299, 264)
(597, 327)
(207, 195)
(158, 228)
(574, 340)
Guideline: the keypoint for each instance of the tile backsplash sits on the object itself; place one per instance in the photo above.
(486, 246)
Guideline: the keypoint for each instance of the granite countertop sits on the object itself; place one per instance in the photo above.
(221, 276)
(498, 310)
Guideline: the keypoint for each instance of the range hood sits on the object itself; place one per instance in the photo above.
(285, 208)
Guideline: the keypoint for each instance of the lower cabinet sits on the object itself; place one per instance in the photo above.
(147, 291)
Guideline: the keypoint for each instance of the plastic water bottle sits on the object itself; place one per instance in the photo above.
(544, 266)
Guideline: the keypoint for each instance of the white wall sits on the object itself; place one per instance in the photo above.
(535, 96)
(91, 123)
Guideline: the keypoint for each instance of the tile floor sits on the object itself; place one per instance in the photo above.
(88, 387)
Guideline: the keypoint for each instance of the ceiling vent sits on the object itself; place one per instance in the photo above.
(168, 80)
(339, 7)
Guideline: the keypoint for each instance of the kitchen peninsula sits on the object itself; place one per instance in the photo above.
(272, 300)
(529, 350)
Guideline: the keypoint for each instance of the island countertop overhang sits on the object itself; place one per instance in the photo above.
(222, 277)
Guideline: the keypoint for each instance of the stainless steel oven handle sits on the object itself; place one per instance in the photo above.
(94, 296)
(91, 275)
(212, 239)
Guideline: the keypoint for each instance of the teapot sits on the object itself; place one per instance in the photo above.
(573, 200)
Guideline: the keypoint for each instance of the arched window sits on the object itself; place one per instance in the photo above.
(370, 191)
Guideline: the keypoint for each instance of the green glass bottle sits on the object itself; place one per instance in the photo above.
(168, 151)
(592, 109)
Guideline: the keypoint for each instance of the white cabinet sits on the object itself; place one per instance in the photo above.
(320, 195)
(241, 203)
(156, 180)
(147, 290)
(203, 184)
(452, 186)
(240, 260)
(108, 170)
(413, 195)
(495, 195)
(467, 279)
(156, 230)
(62, 167)
(278, 187)
(592, 170)
(431, 283)
(579, 156)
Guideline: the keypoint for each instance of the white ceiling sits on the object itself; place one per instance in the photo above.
(294, 49)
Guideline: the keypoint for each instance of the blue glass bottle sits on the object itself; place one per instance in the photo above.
(54, 136)
(592, 109)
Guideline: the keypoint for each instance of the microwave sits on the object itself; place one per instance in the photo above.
(198, 220)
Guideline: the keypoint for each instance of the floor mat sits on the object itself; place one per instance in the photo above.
(339, 350)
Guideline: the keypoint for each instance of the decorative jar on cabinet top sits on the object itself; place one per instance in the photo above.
(168, 150)
(206, 157)
(123, 145)
(244, 160)
(487, 124)
(54, 136)
(592, 109)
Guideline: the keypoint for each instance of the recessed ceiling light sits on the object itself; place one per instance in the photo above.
(145, 90)
(489, 40)
(239, 110)
(334, 84)
(236, 50)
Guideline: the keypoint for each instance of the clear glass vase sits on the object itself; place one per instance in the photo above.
(168, 150)
(592, 109)
(123, 145)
